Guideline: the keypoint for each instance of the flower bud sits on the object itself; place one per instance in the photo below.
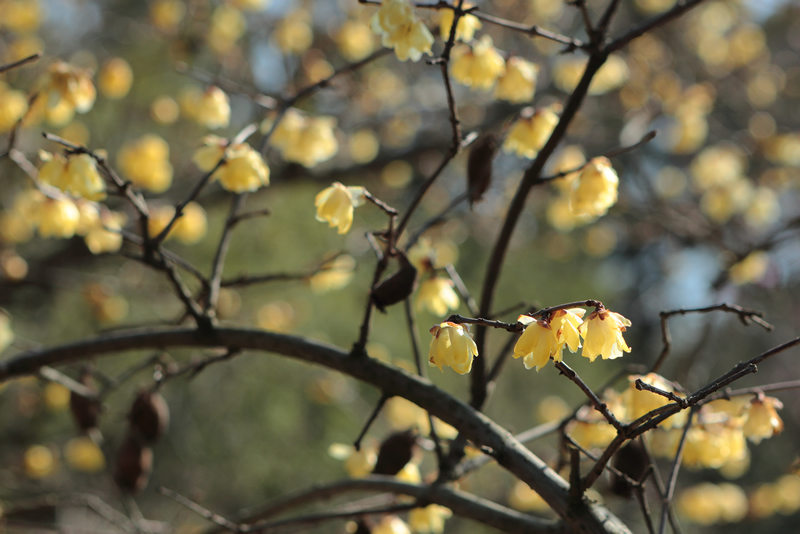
(479, 167)
(134, 465)
(398, 287)
(149, 416)
(395, 452)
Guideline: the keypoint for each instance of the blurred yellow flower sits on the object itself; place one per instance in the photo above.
(357, 463)
(145, 162)
(518, 84)
(467, 24)
(391, 524)
(437, 296)
(336, 274)
(20, 15)
(638, 403)
(452, 346)
(115, 78)
(58, 218)
(399, 28)
(6, 334)
(428, 520)
(192, 226)
(38, 461)
(477, 67)
(763, 420)
(335, 205)
(67, 89)
(105, 236)
(293, 34)
(355, 40)
(243, 169)
(166, 15)
(751, 269)
(83, 454)
(13, 106)
(596, 190)
(305, 140)
(530, 133)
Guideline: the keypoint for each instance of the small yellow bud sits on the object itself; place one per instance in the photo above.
(115, 78)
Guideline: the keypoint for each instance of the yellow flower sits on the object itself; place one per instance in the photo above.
(613, 74)
(192, 225)
(83, 179)
(478, 67)
(437, 296)
(355, 40)
(227, 25)
(523, 498)
(336, 274)
(602, 335)
(38, 461)
(452, 346)
(400, 29)
(357, 463)
(145, 161)
(67, 89)
(596, 190)
(58, 218)
(543, 339)
(467, 24)
(167, 14)
(243, 170)
(763, 420)
(530, 133)
(213, 108)
(304, 140)
(20, 15)
(518, 84)
(293, 34)
(115, 78)
(6, 334)
(83, 454)
(105, 236)
(428, 520)
(13, 105)
(335, 205)
(391, 524)
(750, 269)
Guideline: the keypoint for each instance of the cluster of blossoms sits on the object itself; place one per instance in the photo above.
(452, 346)
(145, 162)
(302, 139)
(568, 72)
(546, 337)
(61, 217)
(243, 168)
(75, 174)
(478, 66)
(66, 89)
(717, 438)
(584, 195)
(190, 228)
(397, 24)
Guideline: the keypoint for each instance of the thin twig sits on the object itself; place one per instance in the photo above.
(371, 419)
(215, 280)
(673, 477)
(599, 405)
(20, 62)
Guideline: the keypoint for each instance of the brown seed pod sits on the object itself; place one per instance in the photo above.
(397, 287)
(479, 166)
(85, 411)
(134, 465)
(630, 460)
(149, 416)
(395, 452)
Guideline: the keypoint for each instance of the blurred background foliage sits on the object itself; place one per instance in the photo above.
(720, 85)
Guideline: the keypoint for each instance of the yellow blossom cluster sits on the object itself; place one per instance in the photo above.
(61, 217)
(21, 16)
(303, 139)
(66, 89)
(13, 106)
(243, 168)
(518, 84)
(210, 108)
(478, 66)
(531, 131)
(428, 520)
(545, 338)
(781, 496)
(145, 162)
(452, 346)
(709, 504)
(75, 174)
(357, 463)
(397, 24)
(335, 205)
(391, 524)
(584, 195)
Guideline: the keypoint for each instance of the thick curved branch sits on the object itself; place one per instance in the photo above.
(510, 453)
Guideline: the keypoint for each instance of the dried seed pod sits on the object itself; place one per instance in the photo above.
(134, 465)
(397, 287)
(149, 416)
(85, 411)
(395, 452)
(630, 460)
(479, 166)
